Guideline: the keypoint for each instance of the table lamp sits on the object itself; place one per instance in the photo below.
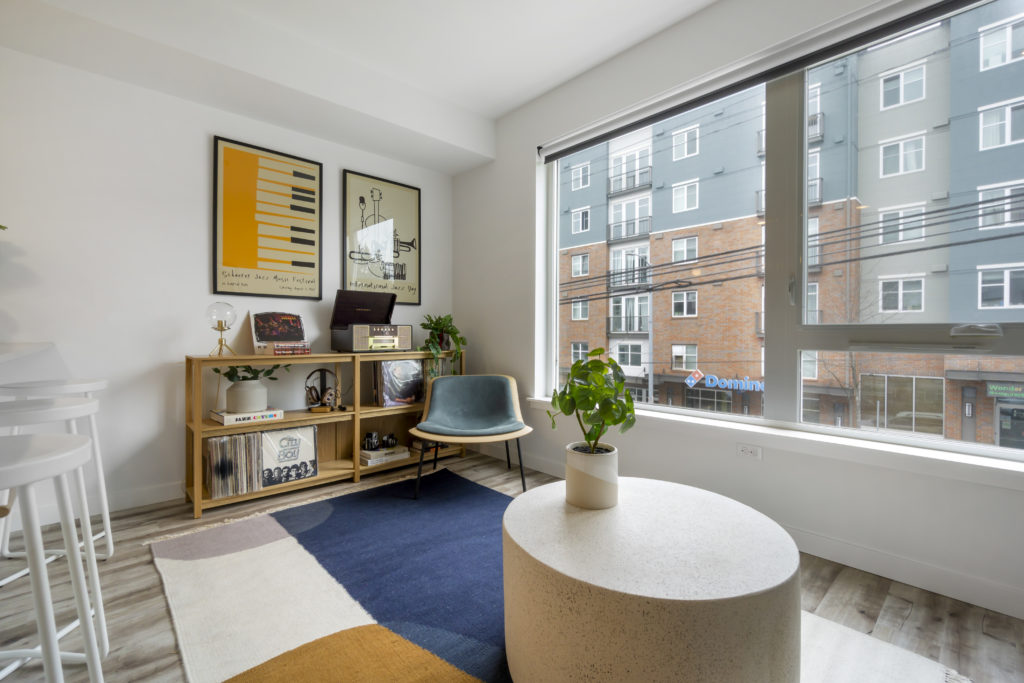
(221, 316)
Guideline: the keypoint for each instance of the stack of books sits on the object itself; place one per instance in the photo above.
(379, 456)
(299, 348)
(226, 418)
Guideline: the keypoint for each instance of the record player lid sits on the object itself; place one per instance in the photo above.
(362, 308)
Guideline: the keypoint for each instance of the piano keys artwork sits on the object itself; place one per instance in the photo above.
(381, 221)
(267, 213)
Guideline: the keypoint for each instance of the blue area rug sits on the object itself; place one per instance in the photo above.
(428, 569)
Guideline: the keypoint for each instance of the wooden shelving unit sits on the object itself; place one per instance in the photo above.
(339, 433)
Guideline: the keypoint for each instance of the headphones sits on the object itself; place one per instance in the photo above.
(318, 391)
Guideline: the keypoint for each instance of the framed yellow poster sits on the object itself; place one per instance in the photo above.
(267, 225)
(381, 224)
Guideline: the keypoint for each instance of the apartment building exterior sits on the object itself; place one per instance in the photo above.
(912, 162)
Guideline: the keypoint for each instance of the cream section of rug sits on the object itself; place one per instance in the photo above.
(831, 653)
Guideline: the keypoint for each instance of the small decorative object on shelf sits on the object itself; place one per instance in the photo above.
(247, 394)
(595, 393)
(226, 418)
(321, 395)
(442, 334)
(278, 334)
(221, 316)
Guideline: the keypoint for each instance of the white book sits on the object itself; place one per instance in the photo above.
(226, 418)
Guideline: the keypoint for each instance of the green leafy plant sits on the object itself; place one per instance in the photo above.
(595, 392)
(244, 373)
(441, 331)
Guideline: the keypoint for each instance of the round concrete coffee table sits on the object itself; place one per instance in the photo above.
(673, 584)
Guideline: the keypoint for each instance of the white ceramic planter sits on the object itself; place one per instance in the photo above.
(249, 396)
(591, 480)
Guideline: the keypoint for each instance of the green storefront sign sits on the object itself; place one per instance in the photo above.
(1004, 390)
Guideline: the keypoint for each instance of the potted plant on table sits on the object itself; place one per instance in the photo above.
(442, 334)
(595, 393)
(247, 394)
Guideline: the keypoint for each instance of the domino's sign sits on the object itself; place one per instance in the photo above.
(716, 382)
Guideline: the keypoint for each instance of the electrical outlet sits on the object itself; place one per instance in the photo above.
(748, 451)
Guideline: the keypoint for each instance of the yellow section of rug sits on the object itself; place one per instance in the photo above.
(370, 653)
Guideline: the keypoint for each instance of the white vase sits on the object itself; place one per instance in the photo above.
(591, 479)
(247, 396)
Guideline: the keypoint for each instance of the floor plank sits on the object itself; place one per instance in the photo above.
(983, 645)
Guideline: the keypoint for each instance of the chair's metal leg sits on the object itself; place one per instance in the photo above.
(522, 474)
(437, 447)
(419, 473)
(508, 458)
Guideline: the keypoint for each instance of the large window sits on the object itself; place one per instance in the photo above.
(580, 309)
(581, 220)
(581, 176)
(852, 217)
(580, 265)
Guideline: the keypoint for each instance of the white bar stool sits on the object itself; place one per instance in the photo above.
(67, 387)
(49, 410)
(26, 460)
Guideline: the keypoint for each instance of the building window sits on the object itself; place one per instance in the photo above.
(1001, 286)
(580, 265)
(901, 295)
(628, 355)
(630, 217)
(629, 314)
(630, 170)
(813, 247)
(809, 364)
(581, 176)
(901, 224)
(581, 220)
(912, 404)
(684, 249)
(685, 143)
(580, 309)
(1002, 205)
(814, 177)
(709, 399)
(813, 315)
(684, 196)
(811, 410)
(631, 266)
(580, 351)
(684, 304)
(684, 356)
(1002, 44)
(901, 87)
(897, 157)
(1002, 124)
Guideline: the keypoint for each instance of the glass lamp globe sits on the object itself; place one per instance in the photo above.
(221, 316)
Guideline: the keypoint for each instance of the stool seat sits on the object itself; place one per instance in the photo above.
(42, 410)
(52, 387)
(34, 457)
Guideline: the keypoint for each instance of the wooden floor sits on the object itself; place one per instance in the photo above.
(986, 646)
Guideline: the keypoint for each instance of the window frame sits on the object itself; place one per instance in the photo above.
(584, 215)
(1006, 107)
(639, 353)
(1006, 269)
(584, 175)
(900, 73)
(579, 309)
(685, 356)
(900, 292)
(686, 303)
(683, 185)
(900, 142)
(583, 351)
(1008, 209)
(901, 222)
(685, 239)
(695, 129)
(584, 263)
(1004, 26)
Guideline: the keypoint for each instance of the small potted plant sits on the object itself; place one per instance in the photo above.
(595, 393)
(247, 394)
(441, 336)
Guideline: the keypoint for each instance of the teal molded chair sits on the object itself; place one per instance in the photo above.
(470, 409)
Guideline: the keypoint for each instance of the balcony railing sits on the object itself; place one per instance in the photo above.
(759, 323)
(759, 262)
(814, 191)
(635, 324)
(815, 127)
(624, 230)
(760, 143)
(813, 253)
(815, 317)
(639, 179)
(759, 199)
(639, 278)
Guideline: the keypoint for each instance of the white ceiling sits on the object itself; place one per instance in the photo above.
(486, 56)
(422, 81)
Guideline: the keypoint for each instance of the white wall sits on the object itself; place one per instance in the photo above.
(951, 526)
(107, 190)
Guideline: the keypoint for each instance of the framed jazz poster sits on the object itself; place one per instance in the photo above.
(381, 225)
(267, 222)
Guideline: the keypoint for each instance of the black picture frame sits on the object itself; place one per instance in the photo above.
(381, 228)
(262, 197)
